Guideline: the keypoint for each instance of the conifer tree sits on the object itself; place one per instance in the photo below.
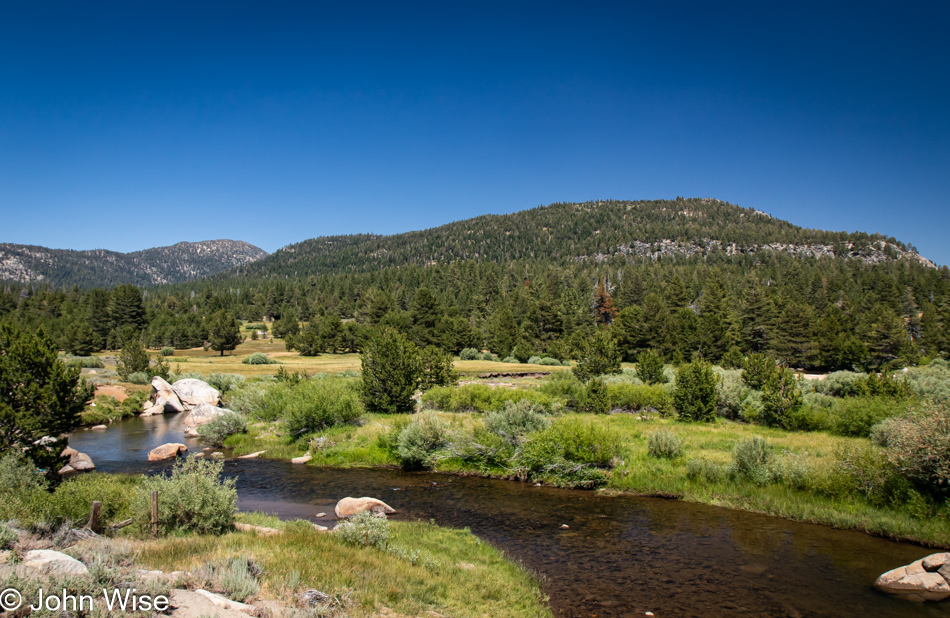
(224, 332)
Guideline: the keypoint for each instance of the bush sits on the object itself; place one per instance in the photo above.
(598, 357)
(752, 459)
(517, 420)
(392, 370)
(839, 384)
(469, 354)
(314, 405)
(757, 369)
(258, 358)
(781, 398)
(549, 362)
(521, 351)
(8, 536)
(535, 360)
(225, 382)
(482, 398)
(108, 409)
(918, 444)
(488, 356)
(664, 444)
(511, 359)
(750, 410)
(85, 362)
(221, 427)
(193, 499)
(238, 578)
(730, 391)
(596, 399)
(572, 440)
(364, 529)
(650, 367)
(694, 392)
(640, 397)
(855, 416)
(931, 382)
(704, 470)
(167, 351)
(419, 440)
(437, 369)
(138, 377)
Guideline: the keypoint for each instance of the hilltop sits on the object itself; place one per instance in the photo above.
(178, 263)
(596, 230)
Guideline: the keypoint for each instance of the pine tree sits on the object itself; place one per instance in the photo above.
(796, 343)
(224, 332)
(126, 308)
(82, 340)
(604, 310)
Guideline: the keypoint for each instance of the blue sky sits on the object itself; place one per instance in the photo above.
(125, 125)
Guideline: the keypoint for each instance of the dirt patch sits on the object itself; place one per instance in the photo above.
(111, 390)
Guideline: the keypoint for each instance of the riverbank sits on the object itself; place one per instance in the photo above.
(814, 497)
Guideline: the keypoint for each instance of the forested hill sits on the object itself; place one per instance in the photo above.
(185, 261)
(585, 231)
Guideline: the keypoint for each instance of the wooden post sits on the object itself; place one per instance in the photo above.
(154, 513)
(94, 517)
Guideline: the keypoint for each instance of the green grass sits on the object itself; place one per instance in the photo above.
(465, 578)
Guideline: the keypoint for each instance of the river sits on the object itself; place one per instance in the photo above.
(619, 556)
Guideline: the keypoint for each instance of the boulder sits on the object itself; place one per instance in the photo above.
(53, 563)
(917, 581)
(933, 562)
(192, 392)
(67, 470)
(164, 395)
(254, 455)
(100, 427)
(81, 462)
(301, 460)
(167, 451)
(348, 507)
(68, 452)
(154, 410)
(203, 413)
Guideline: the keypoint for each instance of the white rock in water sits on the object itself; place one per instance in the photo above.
(204, 413)
(164, 395)
(167, 451)
(347, 507)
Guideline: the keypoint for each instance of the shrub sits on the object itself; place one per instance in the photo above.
(225, 382)
(364, 529)
(840, 384)
(650, 367)
(521, 351)
(193, 499)
(918, 444)
(596, 399)
(855, 416)
(167, 351)
(138, 377)
(132, 359)
(73, 499)
(436, 369)
(562, 385)
(85, 362)
(930, 382)
(598, 357)
(549, 362)
(481, 398)
(470, 354)
(517, 420)
(238, 578)
(750, 410)
(488, 356)
(640, 397)
(108, 409)
(314, 405)
(757, 369)
(258, 358)
(8, 536)
(573, 440)
(511, 359)
(419, 440)
(664, 444)
(391, 372)
(752, 459)
(730, 392)
(535, 360)
(781, 398)
(704, 470)
(221, 427)
(694, 392)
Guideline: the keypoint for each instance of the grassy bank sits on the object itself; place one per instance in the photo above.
(457, 576)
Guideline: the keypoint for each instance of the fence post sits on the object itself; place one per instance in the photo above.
(94, 517)
(154, 513)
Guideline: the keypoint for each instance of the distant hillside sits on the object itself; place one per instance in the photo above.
(178, 263)
(580, 231)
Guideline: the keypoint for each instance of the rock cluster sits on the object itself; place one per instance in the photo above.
(190, 395)
(78, 462)
(927, 579)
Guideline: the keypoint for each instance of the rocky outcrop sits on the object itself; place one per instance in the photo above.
(53, 563)
(193, 392)
(167, 451)
(203, 413)
(927, 579)
(164, 395)
(348, 507)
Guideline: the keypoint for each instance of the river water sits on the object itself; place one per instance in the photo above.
(619, 556)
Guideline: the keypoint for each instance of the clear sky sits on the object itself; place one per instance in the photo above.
(126, 125)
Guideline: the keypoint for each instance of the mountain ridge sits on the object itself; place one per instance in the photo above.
(178, 263)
